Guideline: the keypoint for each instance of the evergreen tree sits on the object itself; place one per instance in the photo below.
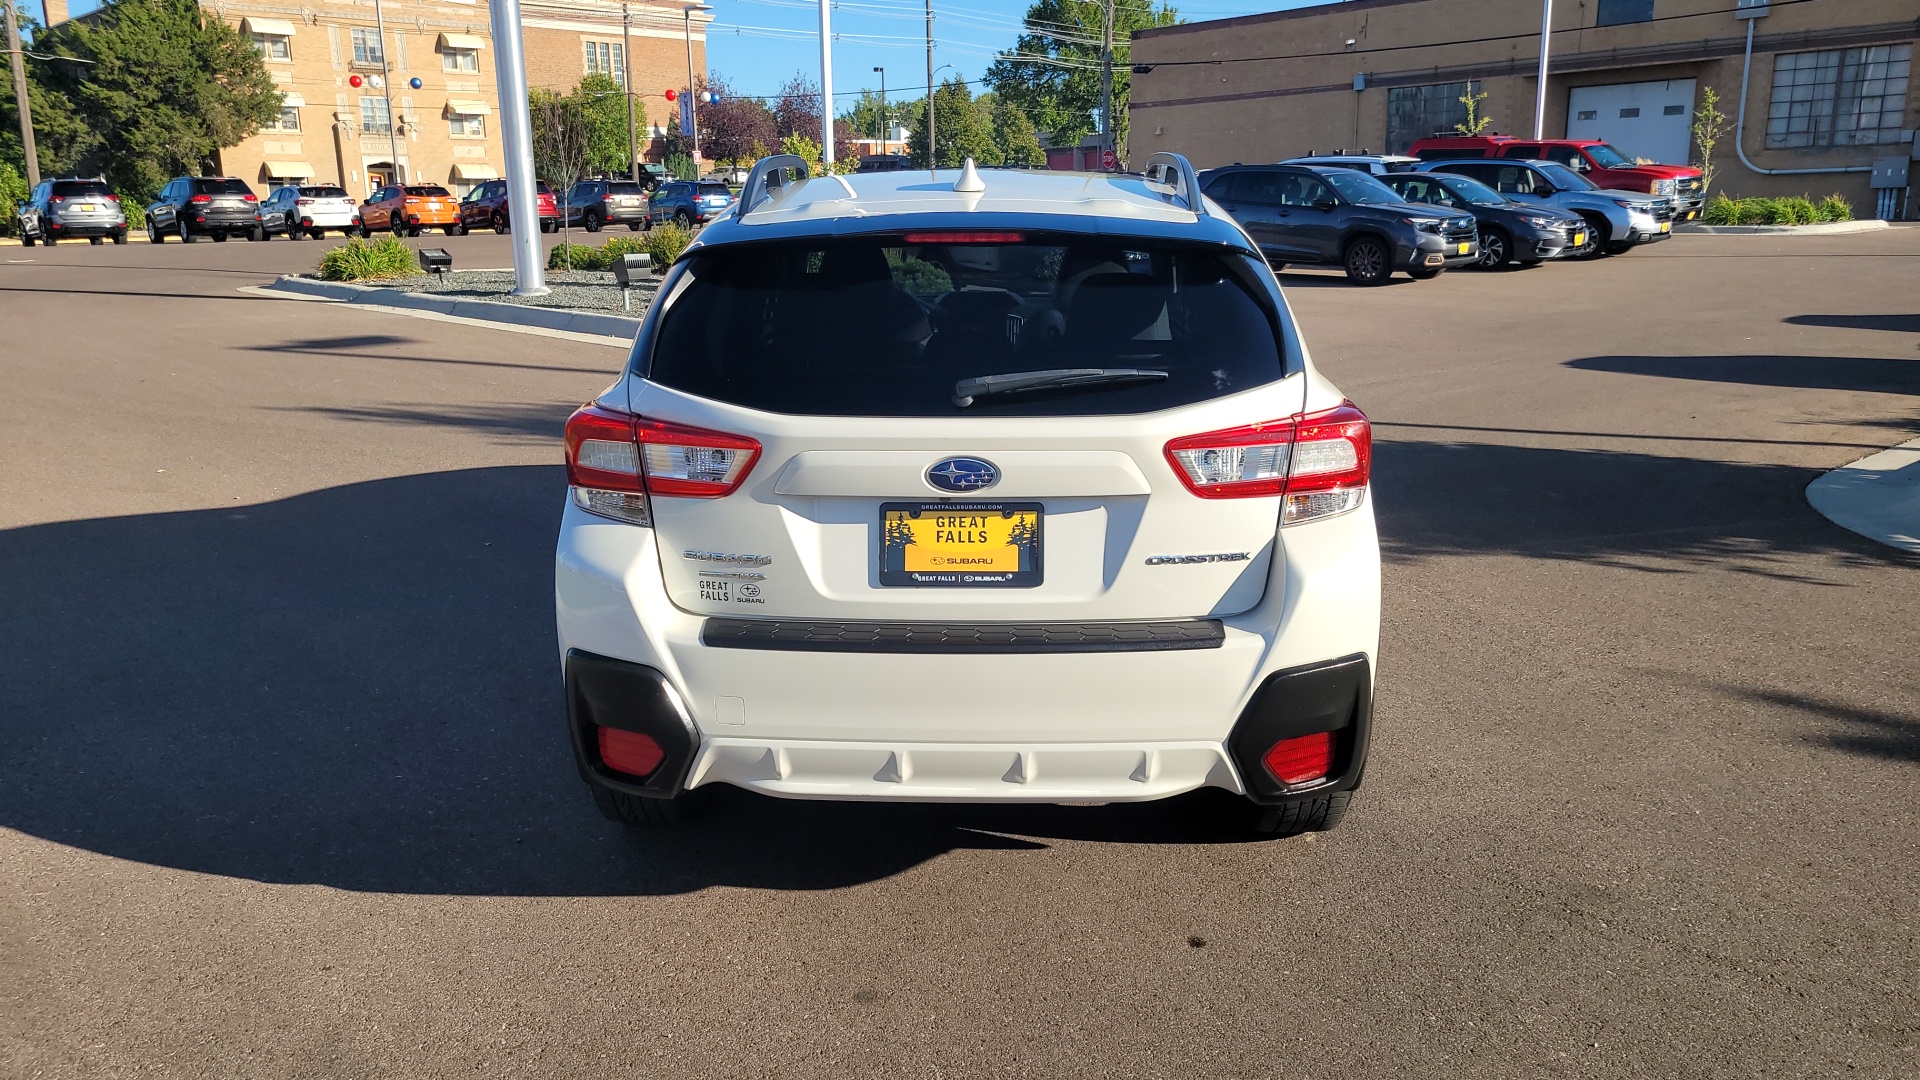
(1014, 139)
(1054, 70)
(961, 130)
(60, 136)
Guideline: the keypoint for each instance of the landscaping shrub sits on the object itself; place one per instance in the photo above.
(1791, 210)
(664, 243)
(1835, 208)
(579, 256)
(1720, 210)
(369, 260)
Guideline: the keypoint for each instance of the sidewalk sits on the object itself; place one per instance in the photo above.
(1877, 497)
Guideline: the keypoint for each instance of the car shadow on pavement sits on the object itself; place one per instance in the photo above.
(1899, 324)
(1873, 374)
(359, 688)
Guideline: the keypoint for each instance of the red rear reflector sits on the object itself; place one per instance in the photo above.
(979, 237)
(1296, 761)
(629, 752)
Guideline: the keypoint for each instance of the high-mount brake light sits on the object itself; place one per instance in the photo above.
(961, 236)
(1320, 463)
(616, 462)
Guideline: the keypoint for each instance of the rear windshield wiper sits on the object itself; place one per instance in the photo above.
(1020, 382)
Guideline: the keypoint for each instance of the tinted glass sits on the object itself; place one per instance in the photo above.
(1565, 155)
(1361, 188)
(1474, 191)
(222, 187)
(625, 187)
(69, 188)
(539, 186)
(323, 193)
(715, 189)
(1526, 151)
(1566, 179)
(430, 191)
(875, 327)
(1422, 190)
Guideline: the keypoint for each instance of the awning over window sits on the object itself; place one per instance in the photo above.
(473, 174)
(287, 101)
(468, 108)
(275, 27)
(450, 42)
(289, 170)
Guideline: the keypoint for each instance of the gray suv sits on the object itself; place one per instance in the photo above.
(1620, 220)
(194, 206)
(70, 210)
(595, 204)
(1315, 215)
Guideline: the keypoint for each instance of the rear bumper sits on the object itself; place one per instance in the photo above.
(84, 228)
(971, 724)
(211, 224)
(1436, 252)
(337, 219)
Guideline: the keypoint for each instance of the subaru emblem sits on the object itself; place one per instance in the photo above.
(963, 474)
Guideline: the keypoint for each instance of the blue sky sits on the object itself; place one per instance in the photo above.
(759, 44)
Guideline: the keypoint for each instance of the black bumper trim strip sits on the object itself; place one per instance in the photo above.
(795, 635)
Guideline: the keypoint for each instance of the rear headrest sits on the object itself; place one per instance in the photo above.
(1115, 306)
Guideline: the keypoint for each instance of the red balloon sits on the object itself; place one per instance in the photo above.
(672, 95)
(354, 80)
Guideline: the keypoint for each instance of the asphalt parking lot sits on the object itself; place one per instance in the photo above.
(286, 791)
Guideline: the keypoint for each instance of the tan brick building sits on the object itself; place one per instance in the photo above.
(1828, 86)
(446, 130)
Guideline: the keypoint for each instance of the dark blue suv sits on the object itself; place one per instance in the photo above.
(686, 203)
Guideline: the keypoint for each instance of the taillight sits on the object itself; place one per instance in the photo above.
(1320, 463)
(616, 461)
(250, 197)
(201, 199)
(1298, 761)
(303, 202)
(629, 752)
(113, 198)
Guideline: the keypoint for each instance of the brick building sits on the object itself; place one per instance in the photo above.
(1828, 83)
(444, 131)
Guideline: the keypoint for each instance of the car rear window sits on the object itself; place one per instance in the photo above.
(69, 188)
(625, 188)
(715, 189)
(877, 326)
(433, 191)
(323, 193)
(222, 187)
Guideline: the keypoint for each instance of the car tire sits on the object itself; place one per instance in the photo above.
(1305, 816)
(633, 226)
(1496, 249)
(26, 241)
(683, 219)
(640, 812)
(1595, 245)
(455, 230)
(94, 241)
(120, 237)
(549, 226)
(1367, 261)
(501, 223)
(219, 238)
(258, 234)
(293, 229)
(154, 235)
(590, 221)
(186, 234)
(49, 241)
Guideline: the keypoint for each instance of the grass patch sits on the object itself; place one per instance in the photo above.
(369, 260)
(1791, 210)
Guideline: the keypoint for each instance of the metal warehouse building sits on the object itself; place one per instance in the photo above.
(1828, 82)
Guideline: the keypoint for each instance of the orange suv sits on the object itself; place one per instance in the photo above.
(410, 208)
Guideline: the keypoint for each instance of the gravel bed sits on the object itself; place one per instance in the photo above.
(576, 290)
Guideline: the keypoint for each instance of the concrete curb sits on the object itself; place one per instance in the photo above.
(577, 322)
(1877, 497)
(1824, 228)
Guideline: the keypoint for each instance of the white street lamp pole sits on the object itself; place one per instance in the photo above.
(516, 134)
(386, 87)
(693, 93)
(1540, 92)
(826, 84)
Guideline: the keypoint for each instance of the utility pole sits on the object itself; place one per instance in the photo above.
(626, 84)
(693, 105)
(386, 87)
(1540, 92)
(18, 61)
(1107, 144)
(516, 138)
(932, 161)
(826, 84)
(883, 108)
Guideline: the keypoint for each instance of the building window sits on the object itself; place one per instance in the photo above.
(1589, 114)
(1628, 114)
(1674, 110)
(607, 58)
(1415, 112)
(274, 46)
(374, 118)
(467, 127)
(1616, 12)
(366, 47)
(460, 60)
(289, 119)
(1841, 97)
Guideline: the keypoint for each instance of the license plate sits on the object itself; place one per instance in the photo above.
(1691, 214)
(960, 545)
(1665, 225)
(87, 207)
(1464, 248)
(1579, 239)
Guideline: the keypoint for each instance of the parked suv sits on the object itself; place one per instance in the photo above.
(594, 204)
(194, 206)
(1064, 513)
(485, 207)
(1380, 165)
(1317, 215)
(684, 202)
(71, 209)
(1510, 232)
(309, 210)
(1619, 219)
(410, 208)
(1599, 162)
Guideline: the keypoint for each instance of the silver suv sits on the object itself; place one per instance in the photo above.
(72, 209)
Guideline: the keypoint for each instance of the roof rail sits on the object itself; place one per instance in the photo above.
(769, 172)
(1167, 168)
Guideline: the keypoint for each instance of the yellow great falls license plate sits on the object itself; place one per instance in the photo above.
(1665, 225)
(1579, 239)
(1464, 248)
(960, 544)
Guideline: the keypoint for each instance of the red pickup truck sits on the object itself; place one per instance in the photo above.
(1595, 160)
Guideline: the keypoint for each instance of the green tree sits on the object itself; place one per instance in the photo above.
(560, 138)
(1014, 139)
(174, 85)
(1053, 71)
(1476, 122)
(61, 137)
(958, 125)
(603, 111)
(1709, 124)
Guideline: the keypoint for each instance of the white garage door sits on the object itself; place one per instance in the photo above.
(1651, 120)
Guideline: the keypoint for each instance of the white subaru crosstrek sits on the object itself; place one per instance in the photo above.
(996, 486)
